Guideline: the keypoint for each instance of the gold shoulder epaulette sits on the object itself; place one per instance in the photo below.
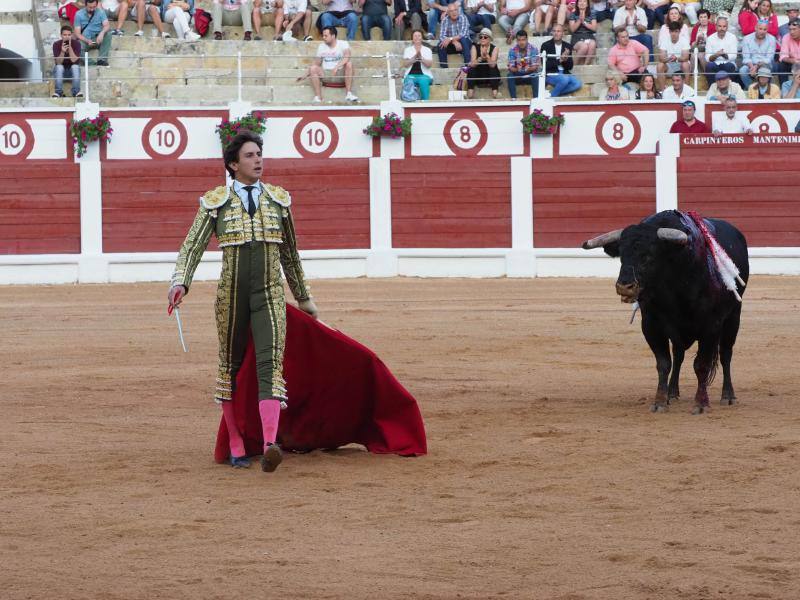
(278, 194)
(215, 198)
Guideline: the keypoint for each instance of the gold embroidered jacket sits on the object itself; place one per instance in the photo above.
(221, 213)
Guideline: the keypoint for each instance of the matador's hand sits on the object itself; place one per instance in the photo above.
(308, 307)
(175, 297)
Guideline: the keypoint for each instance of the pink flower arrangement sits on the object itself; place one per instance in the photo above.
(227, 130)
(84, 131)
(539, 123)
(390, 125)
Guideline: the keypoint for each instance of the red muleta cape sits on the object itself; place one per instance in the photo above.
(339, 392)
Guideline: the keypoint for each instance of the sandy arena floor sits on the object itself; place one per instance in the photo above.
(547, 477)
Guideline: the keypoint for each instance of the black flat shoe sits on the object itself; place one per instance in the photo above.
(272, 458)
(240, 462)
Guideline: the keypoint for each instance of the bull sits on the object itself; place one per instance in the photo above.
(688, 275)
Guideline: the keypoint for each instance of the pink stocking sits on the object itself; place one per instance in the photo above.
(236, 443)
(270, 411)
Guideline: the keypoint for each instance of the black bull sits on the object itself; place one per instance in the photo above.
(668, 267)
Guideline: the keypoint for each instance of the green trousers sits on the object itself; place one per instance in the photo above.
(250, 298)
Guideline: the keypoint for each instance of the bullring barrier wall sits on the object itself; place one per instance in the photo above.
(467, 194)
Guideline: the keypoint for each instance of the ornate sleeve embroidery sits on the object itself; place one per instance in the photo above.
(290, 260)
(192, 248)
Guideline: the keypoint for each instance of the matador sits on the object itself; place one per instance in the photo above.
(253, 225)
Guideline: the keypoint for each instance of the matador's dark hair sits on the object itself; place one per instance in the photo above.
(231, 152)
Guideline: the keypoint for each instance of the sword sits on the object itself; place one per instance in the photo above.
(180, 328)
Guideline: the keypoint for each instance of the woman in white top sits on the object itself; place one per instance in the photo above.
(514, 15)
(418, 60)
(179, 13)
(614, 90)
(673, 14)
(481, 13)
(542, 16)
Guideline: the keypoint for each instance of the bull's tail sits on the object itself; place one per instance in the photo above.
(712, 368)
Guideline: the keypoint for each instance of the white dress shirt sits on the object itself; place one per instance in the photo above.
(238, 187)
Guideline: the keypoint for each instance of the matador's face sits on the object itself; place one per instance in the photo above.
(249, 166)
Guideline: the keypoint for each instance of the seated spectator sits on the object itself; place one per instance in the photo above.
(629, 57)
(437, 10)
(763, 88)
(614, 89)
(543, 15)
(261, 8)
(604, 9)
(689, 8)
(179, 13)
(514, 16)
(792, 12)
(67, 9)
(332, 66)
(791, 88)
(483, 69)
(673, 16)
(150, 11)
(92, 30)
(632, 19)
(418, 58)
(454, 36)
(67, 54)
(481, 13)
(583, 25)
(790, 50)
(673, 55)
(292, 17)
(678, 90)
(688, 124)
(724, 88)
(340, 13)
(721, 51)
(117, 9)
(523, 66)
(730, 121)
(700, 33)
(559, 65)
(752, 15)
(758, 50)
(375, 13)
(232, 12)
(408, 13)
(656, 11)
(647, 88)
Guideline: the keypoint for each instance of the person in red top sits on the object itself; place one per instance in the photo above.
(754, 11)
(688, 124)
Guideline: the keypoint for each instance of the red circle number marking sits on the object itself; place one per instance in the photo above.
(766, 120)
(465, 133)
(316, 137)
(16, 139)
(618, 133)
(165, 138)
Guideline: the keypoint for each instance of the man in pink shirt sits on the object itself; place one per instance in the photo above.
(790, 50)
(629, 57)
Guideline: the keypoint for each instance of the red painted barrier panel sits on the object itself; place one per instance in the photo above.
(40, 207)
(755, 188)
(148, 206)
(442, 202)
(330, 200)
(577, 198)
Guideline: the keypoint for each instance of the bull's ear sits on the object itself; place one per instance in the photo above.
(612, 249)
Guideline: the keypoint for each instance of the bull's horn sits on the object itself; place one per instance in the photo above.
(676, 236)
(602, 240)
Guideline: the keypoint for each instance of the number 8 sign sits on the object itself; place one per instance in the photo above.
(465, 133)
(618, 133)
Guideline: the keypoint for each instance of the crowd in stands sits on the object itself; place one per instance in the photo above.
(657, 43)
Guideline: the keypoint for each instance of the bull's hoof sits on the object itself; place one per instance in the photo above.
(728, 400)
(659, 408)
(673, 398)
(699, 409)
